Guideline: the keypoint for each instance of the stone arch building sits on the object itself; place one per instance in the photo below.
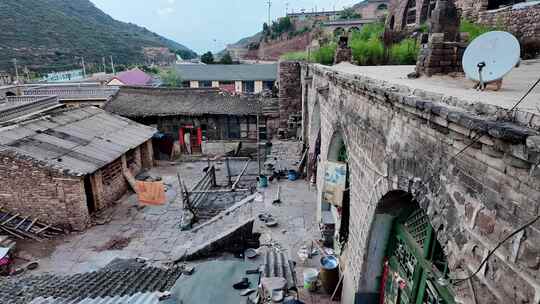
(404, 150)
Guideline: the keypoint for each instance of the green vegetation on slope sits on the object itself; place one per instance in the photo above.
(49, 34)
(474, 29)
(367, 49)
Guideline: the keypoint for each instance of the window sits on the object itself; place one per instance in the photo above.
(233, 124)
(268, 85)
(382, 7)
(205, 84)
(185, 84)
(410, 13)
(427, 7)
(248, 86)
(112, 171)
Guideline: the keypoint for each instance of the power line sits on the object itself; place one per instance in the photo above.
(527, 225)
(525, 96)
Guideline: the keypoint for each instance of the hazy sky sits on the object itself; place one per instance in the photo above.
(207, 24)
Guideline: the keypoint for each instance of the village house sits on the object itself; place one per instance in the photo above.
(5, 79)
(372, 9)
(14, 108)
(72, 95)
(65, 166)
(200, 121)
(133, 77)
(234, 78)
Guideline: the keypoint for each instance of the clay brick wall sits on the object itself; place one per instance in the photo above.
(31, 189)
(397, 140)
(290, 91)
(147, 155)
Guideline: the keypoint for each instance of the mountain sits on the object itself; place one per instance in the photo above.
(49, 34)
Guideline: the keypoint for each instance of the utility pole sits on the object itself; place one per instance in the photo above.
(16, 70)
(112, 66)
(83, 67)
(269, 12)
(286, 8)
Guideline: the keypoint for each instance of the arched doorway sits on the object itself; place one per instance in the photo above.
(336, 194)
(338, 32)
(405, 263)
(10, 94)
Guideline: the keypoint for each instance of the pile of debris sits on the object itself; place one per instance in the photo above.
(26, 228)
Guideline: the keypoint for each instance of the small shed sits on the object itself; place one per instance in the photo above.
(64, 166)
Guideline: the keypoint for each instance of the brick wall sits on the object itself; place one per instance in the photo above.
(396, 140)
(290, 91)
(31, 189)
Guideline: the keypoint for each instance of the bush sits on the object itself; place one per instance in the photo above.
(368, 31)
(368, 52)
(404, 52)
(302, 56)
(325, 54)
(474, 29)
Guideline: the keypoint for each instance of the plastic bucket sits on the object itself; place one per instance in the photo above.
(292, 175)
(329, 273)
(310, 279)
(263, 181)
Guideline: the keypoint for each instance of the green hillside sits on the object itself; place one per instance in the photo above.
(49, 34)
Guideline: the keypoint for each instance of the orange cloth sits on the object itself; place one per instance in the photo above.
(151, 193)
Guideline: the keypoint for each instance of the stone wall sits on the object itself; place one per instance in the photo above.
(523, 23)
(397, 140)
(290, 92)
(31, 189)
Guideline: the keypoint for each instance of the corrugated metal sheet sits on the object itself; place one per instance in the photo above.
(138, 298)
(78, 140)
(230, 72)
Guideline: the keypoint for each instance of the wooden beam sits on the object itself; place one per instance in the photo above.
(241, 174)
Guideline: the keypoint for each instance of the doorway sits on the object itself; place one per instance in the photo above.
(88, 190)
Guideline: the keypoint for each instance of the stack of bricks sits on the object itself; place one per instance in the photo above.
(440, 57)
(290, 94)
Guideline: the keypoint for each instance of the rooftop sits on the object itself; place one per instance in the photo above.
(228, 72)
(351, 22)
(145, 102)
(73, 92)
(77, 141)
(459, 91)
(16, 107)
(134, 77)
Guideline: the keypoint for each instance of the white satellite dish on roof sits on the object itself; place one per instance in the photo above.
(491, 56)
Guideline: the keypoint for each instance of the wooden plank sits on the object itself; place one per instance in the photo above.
(130, 179)
(20, 223)
(11, 232)
(31, 224)
(241, 174)
(10, 219)
(43, 229)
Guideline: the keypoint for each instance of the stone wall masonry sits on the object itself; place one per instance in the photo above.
(290, 92)
(523, 22)
(31, 189)
(398, 140)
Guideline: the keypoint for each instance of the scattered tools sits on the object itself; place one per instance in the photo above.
(26, 228)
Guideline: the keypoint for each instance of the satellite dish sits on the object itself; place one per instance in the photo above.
(491, 56)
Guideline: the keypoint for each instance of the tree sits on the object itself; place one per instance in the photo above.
(208, 58)
(171, 78)
(226, 59)
(349, 13)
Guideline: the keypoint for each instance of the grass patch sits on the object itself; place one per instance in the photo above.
(301, 56)
(404, 52)
(474, 29)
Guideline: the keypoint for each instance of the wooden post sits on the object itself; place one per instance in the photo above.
(228, 171)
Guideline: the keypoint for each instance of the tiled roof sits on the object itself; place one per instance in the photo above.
(141, 283)
(76, 141)
(227, 72)
(144, 102)
(138, 298)
(14, 107)
(134, 77)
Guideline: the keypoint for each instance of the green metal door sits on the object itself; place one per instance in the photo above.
(417, 271)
